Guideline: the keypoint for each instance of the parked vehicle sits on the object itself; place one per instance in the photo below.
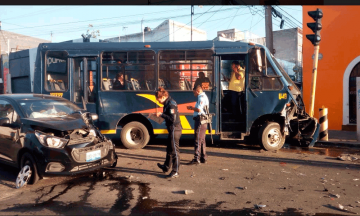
(272, 106)
(52, 136)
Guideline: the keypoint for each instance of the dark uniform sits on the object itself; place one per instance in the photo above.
(172, 120)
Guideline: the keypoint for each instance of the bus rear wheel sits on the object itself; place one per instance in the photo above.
(270, 136)
(134, 135)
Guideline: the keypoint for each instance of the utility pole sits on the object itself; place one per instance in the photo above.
(51, 36)
(192, 13)
(268, 29)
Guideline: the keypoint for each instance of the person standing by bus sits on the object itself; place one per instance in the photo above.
(200, 129)
(236, 87)
(171, 115)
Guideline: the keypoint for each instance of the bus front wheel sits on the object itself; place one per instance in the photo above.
(271, 137)
(134, 135)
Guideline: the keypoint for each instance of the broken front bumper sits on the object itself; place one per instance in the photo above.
(75, 159)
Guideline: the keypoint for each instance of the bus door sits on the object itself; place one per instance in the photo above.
(265, 91)
(232, 126)
(84, 82)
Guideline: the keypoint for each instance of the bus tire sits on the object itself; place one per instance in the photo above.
(270, 136)
(134, 135)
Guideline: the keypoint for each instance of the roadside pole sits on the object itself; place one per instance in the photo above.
(358, 108)
(314, 76)
(315, 40)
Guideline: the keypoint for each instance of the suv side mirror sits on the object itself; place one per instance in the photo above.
(4, 121)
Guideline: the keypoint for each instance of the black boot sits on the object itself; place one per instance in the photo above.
(163, 167)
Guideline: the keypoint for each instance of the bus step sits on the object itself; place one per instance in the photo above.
(232, 135)
(233, 126)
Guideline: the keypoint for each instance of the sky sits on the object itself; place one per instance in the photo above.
(62, 23)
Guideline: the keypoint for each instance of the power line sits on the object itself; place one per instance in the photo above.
(66, 23)
(233, 17)
(290, 15)
(185, 24)
(127, 23)
(208, 18)
(36, 13)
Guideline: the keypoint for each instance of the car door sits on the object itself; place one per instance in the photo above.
(9, 132)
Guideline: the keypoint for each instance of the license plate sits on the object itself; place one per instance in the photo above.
(92, 156)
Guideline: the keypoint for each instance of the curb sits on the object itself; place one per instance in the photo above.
(324, 144)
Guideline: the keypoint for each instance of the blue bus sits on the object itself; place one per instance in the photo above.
(272, 106)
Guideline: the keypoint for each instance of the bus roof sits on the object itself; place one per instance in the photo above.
(109, 46)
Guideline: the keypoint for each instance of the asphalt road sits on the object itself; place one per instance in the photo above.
(292, 181)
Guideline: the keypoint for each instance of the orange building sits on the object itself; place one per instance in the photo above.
(339, 66)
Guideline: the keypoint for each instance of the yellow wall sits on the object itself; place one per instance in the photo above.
(340, 44)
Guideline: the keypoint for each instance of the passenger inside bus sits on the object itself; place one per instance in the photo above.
(119, 83)
(203, 81)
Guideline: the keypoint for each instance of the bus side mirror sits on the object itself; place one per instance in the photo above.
(259, 60)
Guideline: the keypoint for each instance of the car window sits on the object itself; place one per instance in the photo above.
(8, 111)
(45, 108)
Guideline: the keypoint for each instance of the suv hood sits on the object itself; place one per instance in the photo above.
(70, 122)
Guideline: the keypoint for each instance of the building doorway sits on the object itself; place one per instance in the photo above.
(355, 72)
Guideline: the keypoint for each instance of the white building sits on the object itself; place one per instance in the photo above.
(169, 30)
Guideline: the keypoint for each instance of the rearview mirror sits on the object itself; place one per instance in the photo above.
(259, 60)
(4, 121)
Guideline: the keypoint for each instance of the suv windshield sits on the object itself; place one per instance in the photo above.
(286, 76)
(45, 108)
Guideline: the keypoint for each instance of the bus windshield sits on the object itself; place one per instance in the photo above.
(286, 76)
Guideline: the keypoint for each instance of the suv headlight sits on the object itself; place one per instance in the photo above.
(50, 141)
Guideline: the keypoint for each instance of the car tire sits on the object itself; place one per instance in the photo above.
(134, 135)
(27, 159)
(270, 136)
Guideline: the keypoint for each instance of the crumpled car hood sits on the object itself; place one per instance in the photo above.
(71, 122)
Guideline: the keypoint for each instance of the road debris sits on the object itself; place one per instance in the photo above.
(188, 192)
(225, 169)
(222, 178)
(347, 157)
(334, 195)
(259, 206)
(341, 207)
(357, 201)
(129, 177)
(356, 179)
(285, 171)
(145, 197)
(242, 188)
(232, 193)
(282, 163)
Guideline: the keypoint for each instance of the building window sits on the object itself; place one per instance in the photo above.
(132, 71)
(56, 71)
(181, 70)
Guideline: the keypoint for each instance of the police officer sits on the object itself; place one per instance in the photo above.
(200, 129)
(171, 115)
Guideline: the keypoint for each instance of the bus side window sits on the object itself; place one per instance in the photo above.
(182, 70)
(133, 70)
(56, 71)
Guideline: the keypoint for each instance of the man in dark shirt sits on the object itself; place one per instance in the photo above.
(203, 81)
(119, 83)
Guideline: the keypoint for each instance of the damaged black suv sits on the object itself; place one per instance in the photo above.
(50, 136)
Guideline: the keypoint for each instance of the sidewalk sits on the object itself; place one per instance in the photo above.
(338, 138)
